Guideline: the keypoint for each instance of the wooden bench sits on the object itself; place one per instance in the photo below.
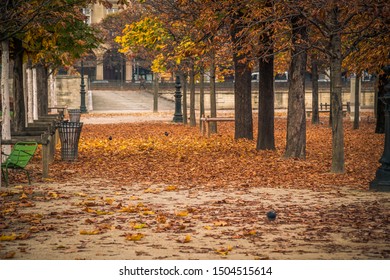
(207, 120)
(44, 132)
(325, 108)
(42, 140)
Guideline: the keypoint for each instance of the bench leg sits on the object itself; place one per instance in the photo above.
(45, 160)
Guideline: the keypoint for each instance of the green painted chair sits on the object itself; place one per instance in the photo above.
(20, 156)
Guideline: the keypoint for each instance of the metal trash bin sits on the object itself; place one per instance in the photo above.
(69, 137)
(74, 115)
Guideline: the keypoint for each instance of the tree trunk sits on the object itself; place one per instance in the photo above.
(201, 99)
(336, 90)
(5, 96)
(43, 90)
(183, 78)
(242, 93)
(35, 93)
(19, 109)
(155, 92)
(315, 118)
(52, 87)
(296, 114)
(266, 110)
(213, 95)
(29, 91)
(357, 102)
(192, 97)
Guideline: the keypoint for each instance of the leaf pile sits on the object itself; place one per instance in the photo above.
(179, 155)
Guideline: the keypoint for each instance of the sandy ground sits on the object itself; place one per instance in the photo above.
(103, 219)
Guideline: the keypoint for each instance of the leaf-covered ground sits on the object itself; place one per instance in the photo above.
(163, 191)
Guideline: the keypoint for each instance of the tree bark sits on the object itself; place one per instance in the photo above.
(192, 97)
(336, 90)
(357, 102)
(315, 118)
(43, 90)
(29, 91)
(213, 94)
(201, 97)
(266, 110)
(155, 92)
(5, 96)
(296, 113)
(242, 90)
(19, 109)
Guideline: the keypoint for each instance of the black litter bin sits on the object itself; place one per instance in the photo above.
(69, 136)
(74, 115)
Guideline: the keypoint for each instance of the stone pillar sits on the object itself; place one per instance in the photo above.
(99, 67)
(129, 71)
(352, 96)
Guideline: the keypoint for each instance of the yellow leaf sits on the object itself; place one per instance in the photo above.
(109, 201)
(81, 194)
(89, 210)
(186, 239)
(170, 188)
(90, 232)
(23, 196)
(134, 237)
(224, 251)
(98, 212)
(220, 223)
(128, 209)
(207, 227)
(148, 213)
(182, 213)
(139, 226)
(8, 237)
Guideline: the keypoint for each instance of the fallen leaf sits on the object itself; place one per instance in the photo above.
(90, 232)
(186, 239)
(134, 237)
(8, 237)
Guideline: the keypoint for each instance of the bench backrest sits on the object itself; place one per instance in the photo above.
(21, 154)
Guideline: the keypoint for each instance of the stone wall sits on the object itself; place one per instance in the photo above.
(225, 96)
(68, 92)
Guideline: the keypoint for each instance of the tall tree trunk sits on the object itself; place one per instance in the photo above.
(242, 91)
(43, 90)
(5, 96)
(357, 102)
(192, 97)
(35, 93)
(336, 90)
(315, 118)
(201, 97)
(19, 109)
(213, 94)
(266, 110)
(155, 92)
(183, 78)
(29, 93)
(296, 117)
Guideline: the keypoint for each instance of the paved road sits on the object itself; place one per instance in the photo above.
(127, 101)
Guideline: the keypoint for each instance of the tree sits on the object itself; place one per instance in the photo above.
(242, 78)
(60, 20)
(343, 26)
(296, 116)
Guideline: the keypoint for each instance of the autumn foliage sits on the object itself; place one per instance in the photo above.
(175, 154)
